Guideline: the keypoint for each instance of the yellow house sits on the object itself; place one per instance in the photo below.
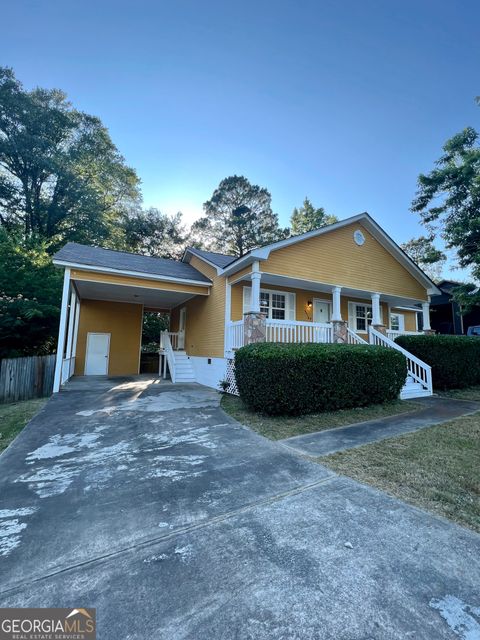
(347, 282)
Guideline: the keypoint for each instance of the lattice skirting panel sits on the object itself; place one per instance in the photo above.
(231, 378)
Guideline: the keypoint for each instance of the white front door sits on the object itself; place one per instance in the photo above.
(321, 311)
(96, 359)
(181, 327)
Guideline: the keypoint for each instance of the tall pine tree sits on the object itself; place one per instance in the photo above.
(308, 218)
(238, 217)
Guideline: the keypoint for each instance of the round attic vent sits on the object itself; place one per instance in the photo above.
(359, 237)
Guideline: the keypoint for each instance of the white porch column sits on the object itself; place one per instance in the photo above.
(254, 326)
(71, 324)
(61, 332)
(339, 327)
(256, 276)
(228, 318)
(376, 309)
(426, 316)
(75, 329)
(336, 310)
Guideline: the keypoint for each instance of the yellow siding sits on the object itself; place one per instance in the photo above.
(334, 258)
(124, 322)
(240, 274)
(205, 321)
(92, 276)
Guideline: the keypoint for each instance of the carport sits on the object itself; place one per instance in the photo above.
(105, 294)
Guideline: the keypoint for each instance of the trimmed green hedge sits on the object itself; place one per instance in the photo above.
(294, 379)
(455, 360)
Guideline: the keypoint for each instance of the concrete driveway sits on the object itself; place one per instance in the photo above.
(147, 502)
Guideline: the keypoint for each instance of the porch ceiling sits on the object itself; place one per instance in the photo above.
(151, 298)
(319, 287)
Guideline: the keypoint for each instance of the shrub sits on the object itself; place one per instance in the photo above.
(293, 379)
(455, 360)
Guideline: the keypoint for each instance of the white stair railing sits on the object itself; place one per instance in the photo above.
(417, 369)
(354, 338)
(175, 338)
(166, 344)
(392, 334)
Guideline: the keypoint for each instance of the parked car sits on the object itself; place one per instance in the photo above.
(474, 331)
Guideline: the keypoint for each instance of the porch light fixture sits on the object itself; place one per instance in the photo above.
(309, 304)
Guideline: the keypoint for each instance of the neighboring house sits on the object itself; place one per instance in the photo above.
(446, 316)
(347, 282)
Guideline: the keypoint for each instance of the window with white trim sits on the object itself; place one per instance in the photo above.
(276, 305)
(360, 316)
(273, 305)
(397, 322)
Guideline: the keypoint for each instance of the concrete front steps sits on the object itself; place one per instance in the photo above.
(183, 367)
(412, 389)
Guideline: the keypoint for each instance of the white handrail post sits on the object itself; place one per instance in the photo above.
(61, 331)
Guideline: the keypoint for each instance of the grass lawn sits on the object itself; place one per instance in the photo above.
(277, 427)
(13, 417)
(436, 468)
(470, 393)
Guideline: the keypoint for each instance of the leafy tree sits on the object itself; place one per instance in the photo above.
(153, 323)
(153, 233)
(238, 217)
(308, 218)
(30, 295)
(61, 176)
(424, 253)
(449, 197)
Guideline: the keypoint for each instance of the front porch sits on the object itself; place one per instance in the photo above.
(293, 310)
(271, 306)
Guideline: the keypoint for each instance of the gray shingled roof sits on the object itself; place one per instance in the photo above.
(218, 259)
(97, 257)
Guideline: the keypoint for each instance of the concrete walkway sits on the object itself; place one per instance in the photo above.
(434, 410)
(146, 501)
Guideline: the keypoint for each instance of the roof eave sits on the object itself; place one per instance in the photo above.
(124, 272)
(403, 258)
(188, 251)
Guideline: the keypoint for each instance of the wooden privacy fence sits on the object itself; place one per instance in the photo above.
(25, 378)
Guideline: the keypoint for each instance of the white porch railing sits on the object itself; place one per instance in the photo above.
(417, 369)
(280, 331)
(292, 331)
(392, 334)
(166, 345)
(176, 339)
(234, 333)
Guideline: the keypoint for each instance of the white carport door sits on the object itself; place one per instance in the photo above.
(98, 347)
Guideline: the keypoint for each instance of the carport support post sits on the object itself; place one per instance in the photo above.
(71, 324)
(61, 332)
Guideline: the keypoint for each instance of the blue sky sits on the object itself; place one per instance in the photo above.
(345, 102)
